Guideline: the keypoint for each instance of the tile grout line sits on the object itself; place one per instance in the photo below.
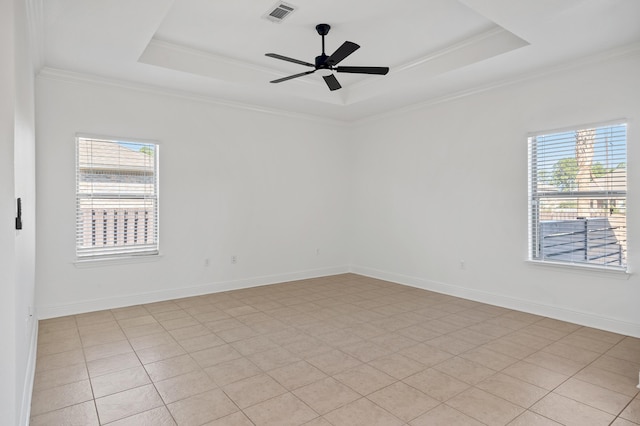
(624, 408)
(86, 366)
(145, 370)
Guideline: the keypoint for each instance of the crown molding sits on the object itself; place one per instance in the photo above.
(48, 73)
(167, 45)
(468, 42)
(480, 47)
(613, 54)
(74, 77)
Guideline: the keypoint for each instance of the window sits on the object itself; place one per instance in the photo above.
(116, 198)
(578, 195)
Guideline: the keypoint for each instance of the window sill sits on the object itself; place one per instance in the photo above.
(622, 273)
(120, 260)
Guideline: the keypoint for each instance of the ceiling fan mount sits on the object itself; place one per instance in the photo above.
(323, 29)
(325, 62)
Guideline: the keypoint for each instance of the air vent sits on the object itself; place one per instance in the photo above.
(279, 11)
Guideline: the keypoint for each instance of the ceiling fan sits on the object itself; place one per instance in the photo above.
(324, 62)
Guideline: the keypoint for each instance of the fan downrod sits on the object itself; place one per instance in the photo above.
(323, 30)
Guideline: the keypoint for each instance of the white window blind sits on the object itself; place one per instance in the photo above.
(116, 198)
(578, 196)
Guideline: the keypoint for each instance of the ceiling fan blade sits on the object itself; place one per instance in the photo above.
(332, 82)
(280, 80)
(286, 58)
(343, 51)
(364, 70)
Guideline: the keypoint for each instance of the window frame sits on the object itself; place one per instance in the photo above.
(534, 197)
(118, 252)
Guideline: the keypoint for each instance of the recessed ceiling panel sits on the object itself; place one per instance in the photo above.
(228, 41)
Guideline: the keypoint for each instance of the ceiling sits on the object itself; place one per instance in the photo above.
(435, 48)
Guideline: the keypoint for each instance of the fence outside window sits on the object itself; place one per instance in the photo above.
(577, 196)
(116, 198)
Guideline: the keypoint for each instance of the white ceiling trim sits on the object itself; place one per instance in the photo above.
(48, 73)
(481, 47)
(54, 74)
(613, 54)
(496, 33)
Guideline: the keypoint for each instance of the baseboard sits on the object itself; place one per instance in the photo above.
(577, 317)
(54, 311)
(27, 392)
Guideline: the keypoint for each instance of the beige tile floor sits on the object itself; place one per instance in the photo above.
(344, 351)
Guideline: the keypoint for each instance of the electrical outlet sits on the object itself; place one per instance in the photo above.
(317, 252)
(462, 264)
(234, 259)
(207, 262)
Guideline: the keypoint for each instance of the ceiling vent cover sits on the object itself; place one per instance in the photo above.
(279, 11)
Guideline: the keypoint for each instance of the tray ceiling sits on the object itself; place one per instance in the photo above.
(435, 48)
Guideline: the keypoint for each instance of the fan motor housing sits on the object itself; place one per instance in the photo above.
(321, 62)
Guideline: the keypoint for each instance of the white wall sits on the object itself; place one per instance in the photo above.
(25, 188)
(407, 199)
(267, 188)
(17, 248)
(448, 182)
(7, 211)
